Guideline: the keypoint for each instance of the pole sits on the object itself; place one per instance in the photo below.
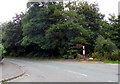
(83, 50)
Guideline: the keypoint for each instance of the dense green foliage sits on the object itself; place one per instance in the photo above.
(47, 30)
(12, 36)
(2, 50)
(106, 48)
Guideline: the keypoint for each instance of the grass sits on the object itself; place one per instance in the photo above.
(109, 61)
(99, 60)
(89, 59)
(62, 59)
(3, 81)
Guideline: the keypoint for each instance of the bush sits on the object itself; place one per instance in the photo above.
(2, 49)
(115, 55)
(106, 56)
(68, 56)
(71, 54)
(106, 48)
(95, 55)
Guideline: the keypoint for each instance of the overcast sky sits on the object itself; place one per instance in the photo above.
(8, 8)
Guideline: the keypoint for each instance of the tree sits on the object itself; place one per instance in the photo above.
(46, 29)
(60, 36)
(111, 29)
(12, 36)
(35, 23)
(90, 12)
(90, 19)
(50, 27)
(115, 30)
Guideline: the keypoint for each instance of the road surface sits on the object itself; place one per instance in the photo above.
(54, 71)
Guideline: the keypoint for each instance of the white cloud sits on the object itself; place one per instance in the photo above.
(8, 8)
(107, 6)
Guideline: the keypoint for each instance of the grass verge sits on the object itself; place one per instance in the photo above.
(62, 59)
(99, 60)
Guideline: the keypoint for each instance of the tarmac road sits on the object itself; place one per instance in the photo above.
(54, 71)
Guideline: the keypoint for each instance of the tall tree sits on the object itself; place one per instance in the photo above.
(12, 34)
(115, 30)
(35, 23)
(91, 20)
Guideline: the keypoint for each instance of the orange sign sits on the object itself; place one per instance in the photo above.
(79, 45)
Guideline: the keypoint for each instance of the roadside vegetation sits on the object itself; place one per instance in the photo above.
(46, 30)
(2, 51)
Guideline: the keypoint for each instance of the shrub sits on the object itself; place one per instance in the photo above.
(106, 56)
(68, 56)
(105, 48)
(95, 55)
(71, 54)
(115, 55)
(2, 49)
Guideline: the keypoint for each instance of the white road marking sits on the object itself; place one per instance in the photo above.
(76, 72)
(114, 64)
(68, 71)
(110, 81)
